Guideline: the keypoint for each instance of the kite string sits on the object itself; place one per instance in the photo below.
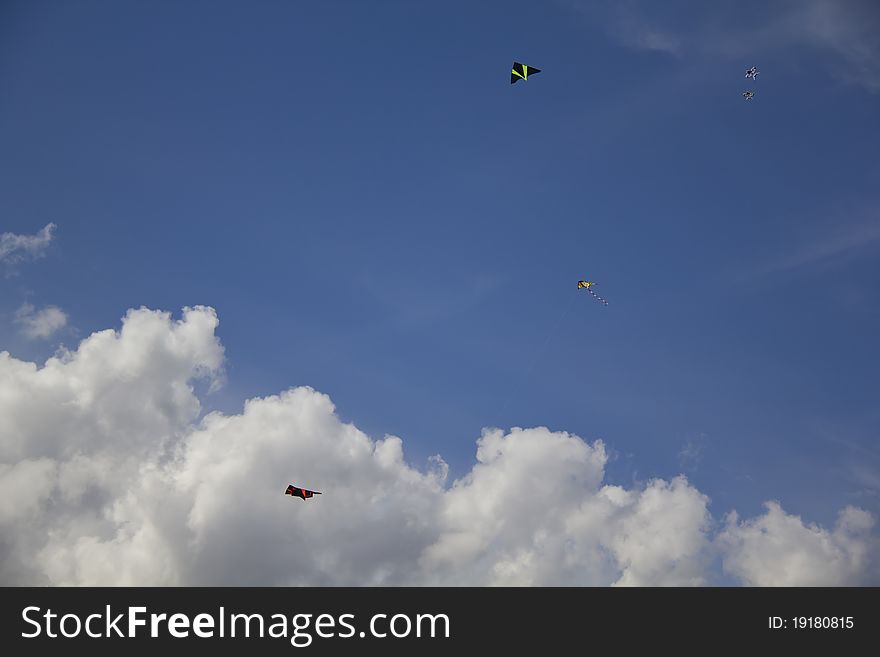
(536, 357)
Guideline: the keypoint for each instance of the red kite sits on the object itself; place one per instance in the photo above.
(300, 492)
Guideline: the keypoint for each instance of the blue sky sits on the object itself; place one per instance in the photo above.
(374, 211)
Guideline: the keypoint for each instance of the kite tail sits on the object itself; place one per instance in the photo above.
(597, 297)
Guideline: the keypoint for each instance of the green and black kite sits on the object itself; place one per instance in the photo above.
(522, 72)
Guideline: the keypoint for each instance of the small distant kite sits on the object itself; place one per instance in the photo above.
(522, 72)
(296, 491)
(588, 286)
(752, 73)
(748, 95)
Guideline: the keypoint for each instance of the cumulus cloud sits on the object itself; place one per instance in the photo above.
(41, 323)
(110, 475)
(778, 549)
(534, 511)
(15, 248)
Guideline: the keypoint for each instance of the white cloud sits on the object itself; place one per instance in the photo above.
(108, 476)
(778, 549)
(14, 248)
(533, 511)
(40, 323)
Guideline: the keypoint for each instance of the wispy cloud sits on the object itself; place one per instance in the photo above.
(41, 323)
(867, 477)
(847, 32)
(634, 32)
(15, 248)
(848, 29)
(627, 23)
(842, 244)
(691, 453)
